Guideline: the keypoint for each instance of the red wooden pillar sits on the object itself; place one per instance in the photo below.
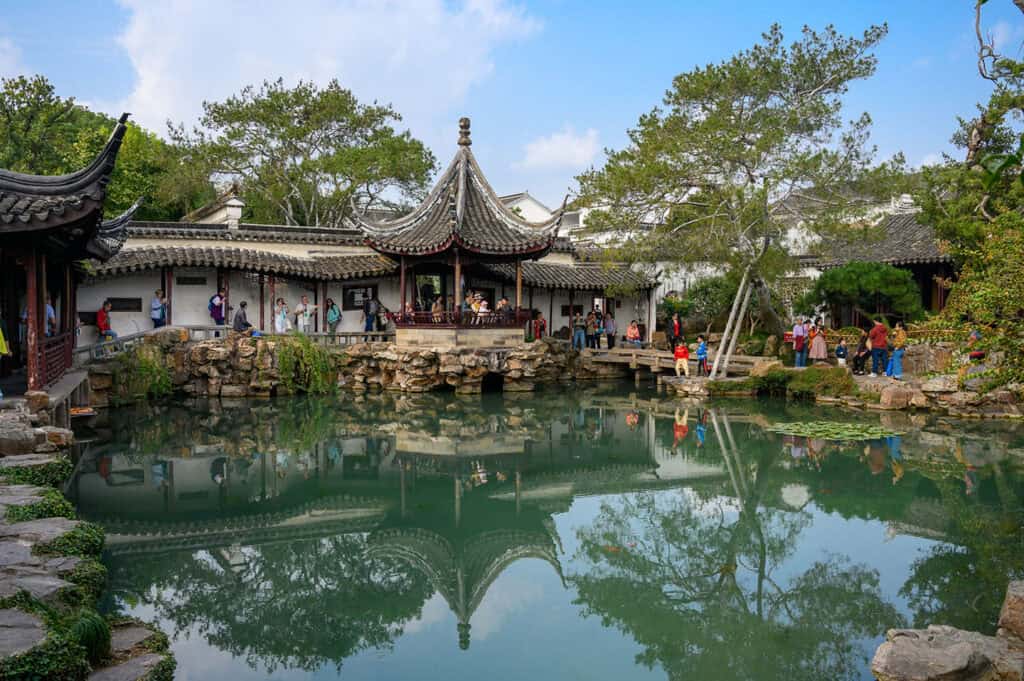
(168, 284)
(32, 321)
(263, 303)
(519, 284)
(65, 300)
(401, 285)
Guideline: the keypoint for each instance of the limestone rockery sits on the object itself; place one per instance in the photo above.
(240, 366)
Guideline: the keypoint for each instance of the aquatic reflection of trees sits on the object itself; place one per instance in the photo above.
(296, 604)
(963, 583)
(700, 584)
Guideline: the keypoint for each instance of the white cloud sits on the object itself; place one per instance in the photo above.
(10, 58)
(932, 159)
(1003, 34)
(562, 149)
(419, 55)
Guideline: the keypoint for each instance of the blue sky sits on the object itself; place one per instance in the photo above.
(547, 84)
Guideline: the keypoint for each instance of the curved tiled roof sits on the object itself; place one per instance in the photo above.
(111, 235)
(579, 276)
(246, 232)
(461, 211)
(36, 202)
(326, 267)
(899, 239)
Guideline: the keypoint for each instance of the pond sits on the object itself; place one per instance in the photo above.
(591, 534)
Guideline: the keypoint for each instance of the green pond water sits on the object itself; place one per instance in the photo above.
(591, 534)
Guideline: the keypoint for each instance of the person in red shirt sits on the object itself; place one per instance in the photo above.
(679, 428)
(103, 322)
(879, 337)
(682, 355)
(540, 326)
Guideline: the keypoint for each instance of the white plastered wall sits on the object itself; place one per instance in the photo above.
(137, 285)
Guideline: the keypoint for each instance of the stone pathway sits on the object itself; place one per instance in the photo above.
(32, 581)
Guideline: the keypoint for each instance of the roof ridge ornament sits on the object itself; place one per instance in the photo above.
(464, 140)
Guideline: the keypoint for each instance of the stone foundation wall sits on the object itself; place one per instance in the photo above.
(240, 366)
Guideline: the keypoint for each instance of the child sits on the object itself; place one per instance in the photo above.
(842, 352)
(702, 356)
(682, 355)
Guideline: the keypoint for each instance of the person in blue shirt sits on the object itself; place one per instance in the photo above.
(702, 356)
(842, 352)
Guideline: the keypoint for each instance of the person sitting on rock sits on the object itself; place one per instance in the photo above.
(241, 321)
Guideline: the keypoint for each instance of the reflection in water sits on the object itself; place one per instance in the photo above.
(296, 534)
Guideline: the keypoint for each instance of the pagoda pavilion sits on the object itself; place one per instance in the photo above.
(462, 228)
(47, 225)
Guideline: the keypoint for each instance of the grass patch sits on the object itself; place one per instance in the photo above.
(827, 382)
(53, 505)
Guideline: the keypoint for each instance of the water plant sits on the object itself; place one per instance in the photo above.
(832, 430)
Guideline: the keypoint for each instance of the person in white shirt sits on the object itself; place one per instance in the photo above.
(304, 312)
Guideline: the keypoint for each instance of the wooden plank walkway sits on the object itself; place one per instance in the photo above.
(658, 361)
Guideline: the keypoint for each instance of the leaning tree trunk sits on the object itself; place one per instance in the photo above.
(773, 323)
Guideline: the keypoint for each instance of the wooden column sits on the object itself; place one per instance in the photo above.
(316, 302)
(531, 299)
(458, 282)
(273, 304)
(519, 284)
(32, 321)
(401, 285)
(168, 290)
(263, 303)
(44, 294)
(65, 301)
(551, 311)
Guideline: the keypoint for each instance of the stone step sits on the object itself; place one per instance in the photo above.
(132, 669)
(125, 638)
(19, 632)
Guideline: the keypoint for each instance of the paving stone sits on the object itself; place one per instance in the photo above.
(19, 632)
(15, 552)
(123, 639)
(39, 531)
(130, 670)
(26, 460)
(36, 581)
(1011, 618)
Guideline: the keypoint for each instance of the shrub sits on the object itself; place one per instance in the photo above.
(91, 632)
(90, 576)
(306, 367)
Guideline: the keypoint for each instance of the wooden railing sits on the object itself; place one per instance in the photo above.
(55, 356)
(470, 320)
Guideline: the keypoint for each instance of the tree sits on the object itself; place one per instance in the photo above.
(305, 155)
(45, 134)
(741, 152)
(976, 205)
(872, 289)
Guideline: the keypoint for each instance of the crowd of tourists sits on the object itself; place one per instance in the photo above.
(882, 347)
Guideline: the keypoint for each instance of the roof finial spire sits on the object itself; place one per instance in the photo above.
(464, 140)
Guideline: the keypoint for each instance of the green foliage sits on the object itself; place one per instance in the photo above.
(139, 374)
(711, 297)
(703, 176)
(84, 540)
(868, 287)
(59, 657)
(302, 155)
(91, 631)
(989, 296)
(827, 382)
(305, 366)
(91, 577)
(53, 505)
(45, 134)
(164, 669)
(51, 474)
(671, 305)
